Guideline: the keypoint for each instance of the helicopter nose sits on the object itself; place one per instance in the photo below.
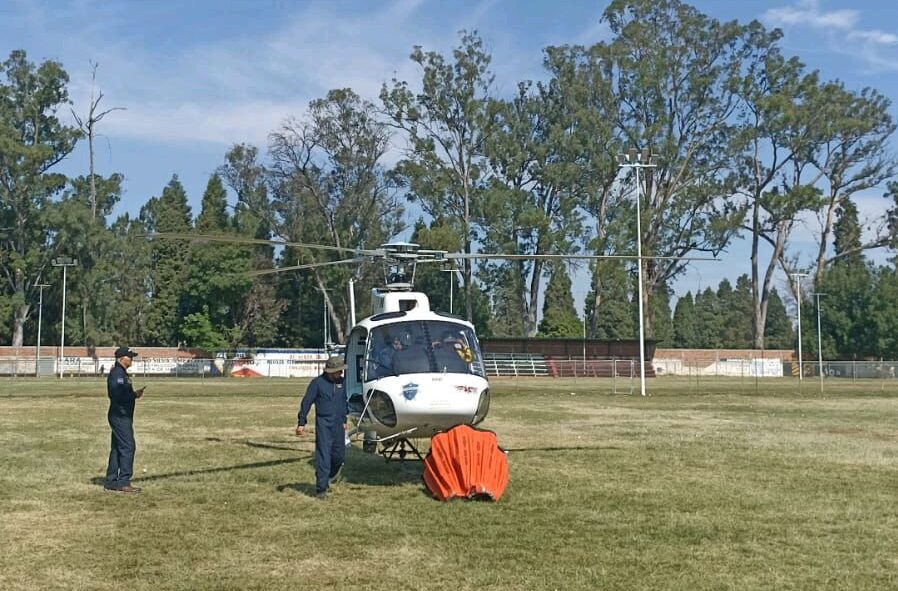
(382, 408)
(483, 407)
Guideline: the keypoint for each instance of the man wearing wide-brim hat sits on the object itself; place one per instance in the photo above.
(122, 397)
(327, 394)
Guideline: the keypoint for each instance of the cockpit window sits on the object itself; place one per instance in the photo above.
(423, 346)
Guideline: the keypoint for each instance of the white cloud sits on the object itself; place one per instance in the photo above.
(808, 13)
(874, 36)
(239, 86)
(242, 88)
(842, 29)
(219, 123)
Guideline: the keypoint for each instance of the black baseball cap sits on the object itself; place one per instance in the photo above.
(124, 352)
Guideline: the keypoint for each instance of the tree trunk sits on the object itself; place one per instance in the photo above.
(336, 323)
(834, 202)
(18, 333)
(601, 233)
(757, 320)
(530, 325)
(596, 303)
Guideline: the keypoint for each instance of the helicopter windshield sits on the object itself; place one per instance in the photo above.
(423, 346)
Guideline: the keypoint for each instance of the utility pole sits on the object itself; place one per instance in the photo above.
(326, 324)
(40, 316)
(65, 263)
(451, 284)
(796, 277)
(636, 160)
(584, 343)
(819, 341)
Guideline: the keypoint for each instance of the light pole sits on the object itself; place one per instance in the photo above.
(797, 278)
(40, 317)
(326, 326)
(65, 263)
(451, 283)
(819, 341)
(636, 160)
(584, 341)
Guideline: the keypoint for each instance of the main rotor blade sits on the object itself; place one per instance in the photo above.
(260, 241)
(306, 266)
(586, 257)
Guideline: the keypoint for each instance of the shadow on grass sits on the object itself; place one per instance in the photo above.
(304, 488)
(364, 469)
(270, 446)
(98, 480)
(572, 448)
(373, 470)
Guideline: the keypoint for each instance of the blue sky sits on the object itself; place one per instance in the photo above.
(196, 77)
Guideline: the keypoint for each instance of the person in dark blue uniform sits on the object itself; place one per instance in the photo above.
(449, 354)
(122, 397)
(385, 357)
(327, 394)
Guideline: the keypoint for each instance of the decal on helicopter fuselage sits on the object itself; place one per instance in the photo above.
(410, 390)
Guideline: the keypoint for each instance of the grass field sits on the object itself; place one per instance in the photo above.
(733, 486)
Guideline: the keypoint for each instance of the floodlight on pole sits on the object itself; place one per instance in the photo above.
(451, 283)
(819, 340)
(797, 278)
(40, 317)
(636, 160)
(65, 263)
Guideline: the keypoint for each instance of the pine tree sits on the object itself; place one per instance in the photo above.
(260, 310)
(661, 317)
(216, 283)
(724, 307)
(559, 315)
(883, 315)
(614, 319)
(708, 321)
(213, 216)
(684, 322)
(847, 235)
(849, 284)
(742, 310)
(736, 310)
(507, 319)
(167, 213)
(779, 333)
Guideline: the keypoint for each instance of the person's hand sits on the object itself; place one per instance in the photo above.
(139, 393)
(300, 430)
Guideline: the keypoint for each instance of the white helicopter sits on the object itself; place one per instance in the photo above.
(411, 371)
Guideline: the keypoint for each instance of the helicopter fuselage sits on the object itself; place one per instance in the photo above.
(413, 372)
(423, 404)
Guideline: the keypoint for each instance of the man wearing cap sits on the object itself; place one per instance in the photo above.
(122, 397)
(326, 393)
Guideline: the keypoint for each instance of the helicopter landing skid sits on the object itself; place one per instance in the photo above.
(402, 447)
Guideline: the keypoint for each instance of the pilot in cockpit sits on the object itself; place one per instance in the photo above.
(451, 354)
(385, 357)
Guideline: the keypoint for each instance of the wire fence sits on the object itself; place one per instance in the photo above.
(500, 365)
(162, 367)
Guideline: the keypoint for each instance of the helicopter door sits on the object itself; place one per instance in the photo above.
(355, 361)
